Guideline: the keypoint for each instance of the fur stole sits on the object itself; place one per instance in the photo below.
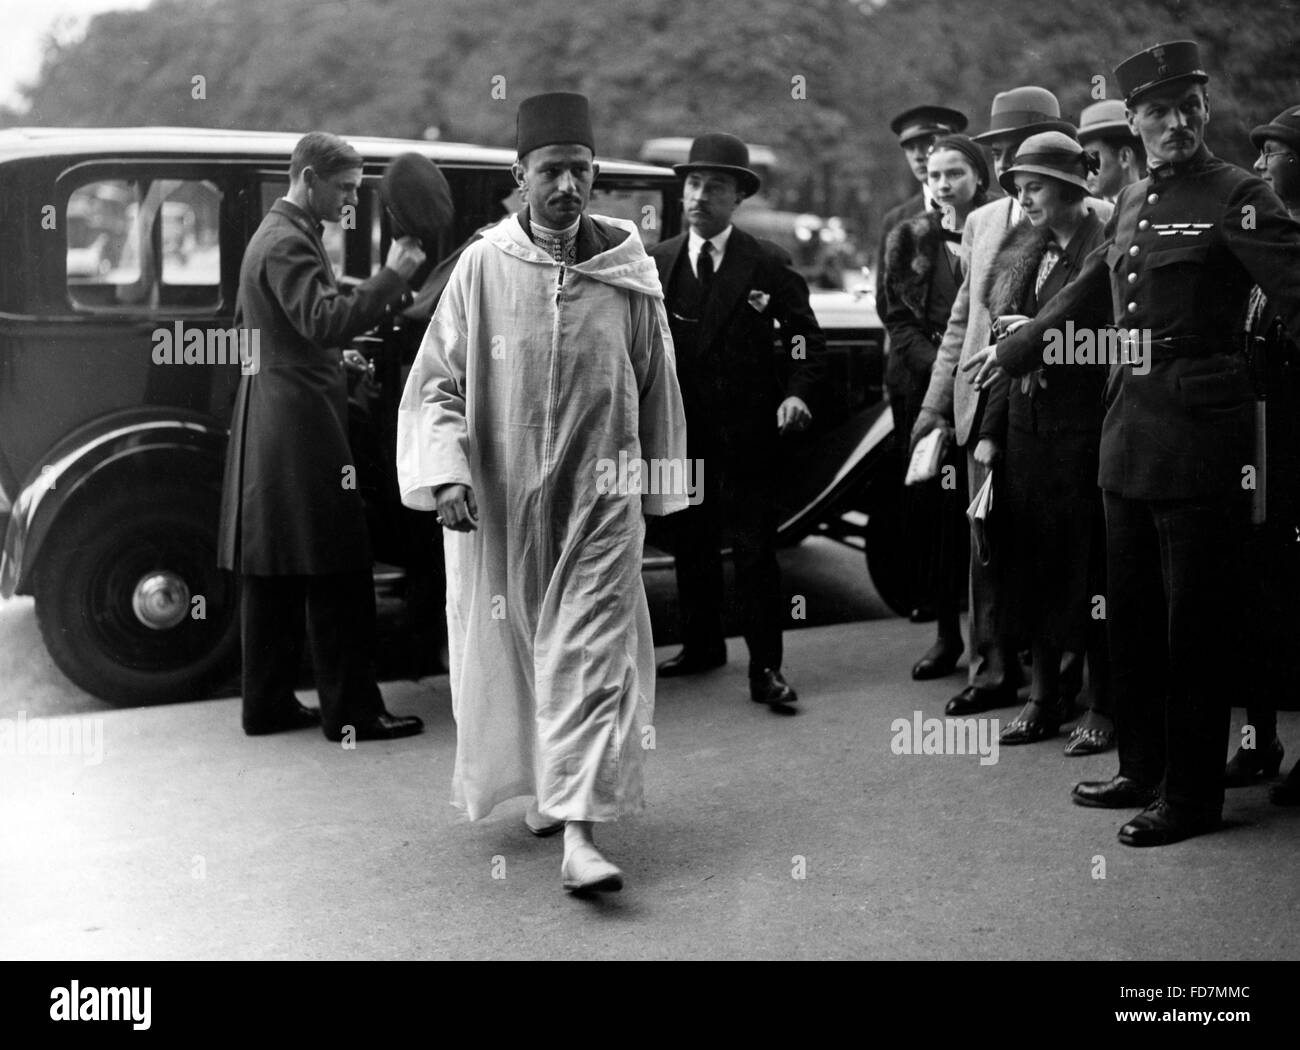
(1010, 282)
(910, 251)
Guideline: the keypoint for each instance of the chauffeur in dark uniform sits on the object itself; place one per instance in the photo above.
(725, 292)
(1184, 247)
(292, 526)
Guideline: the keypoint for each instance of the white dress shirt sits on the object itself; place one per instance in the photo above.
(719, 242)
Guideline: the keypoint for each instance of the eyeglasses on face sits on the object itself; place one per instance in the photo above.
(1268, 154)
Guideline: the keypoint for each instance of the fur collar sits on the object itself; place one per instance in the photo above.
(910, 252)
(1011, 278)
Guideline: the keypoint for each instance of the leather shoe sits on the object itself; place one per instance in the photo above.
(295, 717)
(692, 661)
(539, 825)
(1119, 792)
(974, 699)
(1161, 824)
(939, 662)
(768, 687)
(1251, 764)
(585, 871)
(382, 727)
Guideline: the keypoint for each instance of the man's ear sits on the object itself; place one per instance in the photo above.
(517, 170)
(595, 169)
(1131, 116)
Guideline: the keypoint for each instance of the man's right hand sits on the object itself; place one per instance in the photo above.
(405, 256)
(927, 420)
(457, 508)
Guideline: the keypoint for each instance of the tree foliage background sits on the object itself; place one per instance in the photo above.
(653, 67)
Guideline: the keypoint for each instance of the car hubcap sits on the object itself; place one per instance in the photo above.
(161, 600)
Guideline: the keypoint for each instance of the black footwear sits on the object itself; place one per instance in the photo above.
(1092, 735)
(1287, 793)
(974, 699)
(939, 662)
(692, 661)
(768, 687)
(923, 614)
(1038, 720)
(381, 727)
(1161, 824)
(1119, 792)
(295, 717)
(1251, 764)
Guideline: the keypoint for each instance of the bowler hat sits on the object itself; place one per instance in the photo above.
(926, 120)
(1157, 66)
(1104, 120)
(718, 151)
(1285, 127)
(547, 120)
(417, 196)
(1024, 111)
(1050, 153)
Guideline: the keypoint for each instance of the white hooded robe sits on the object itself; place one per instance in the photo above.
(531, 380)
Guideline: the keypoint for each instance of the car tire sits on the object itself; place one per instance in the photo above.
(117, 592)
(885, 560)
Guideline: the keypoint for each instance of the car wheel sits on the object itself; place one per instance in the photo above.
(885, 559)
(130, 601)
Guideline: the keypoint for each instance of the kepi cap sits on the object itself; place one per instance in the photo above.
(1159, 65)
(927, 120)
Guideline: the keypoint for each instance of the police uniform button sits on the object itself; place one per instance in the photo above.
(1132, 307)
(1133, 250)
(1145, 224)
(1153, 198)
(1132, 278)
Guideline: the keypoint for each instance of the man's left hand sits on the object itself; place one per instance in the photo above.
(793, 416)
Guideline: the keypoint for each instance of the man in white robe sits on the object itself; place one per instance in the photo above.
(549, 355)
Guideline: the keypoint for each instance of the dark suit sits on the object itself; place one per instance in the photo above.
(731, 387)
(292, 519)
(1183, 249)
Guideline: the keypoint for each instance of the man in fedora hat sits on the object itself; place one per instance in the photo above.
(726, 291)
(1119, 155)
(290, 526)
(1177, 463)
(546, 363)
(952, 400)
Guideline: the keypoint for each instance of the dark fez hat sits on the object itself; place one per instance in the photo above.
(1285, 127)
(1024, 111)
(418, 198)
(718, 151)
(547, 120)
(926, 120)
(1104, 120)
(1158, 66)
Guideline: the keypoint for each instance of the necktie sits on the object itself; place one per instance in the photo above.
(704, 269)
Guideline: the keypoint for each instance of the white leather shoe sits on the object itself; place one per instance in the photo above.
(586, 871)
(539, 825)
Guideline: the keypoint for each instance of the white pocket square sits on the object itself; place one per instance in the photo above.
(759, 300)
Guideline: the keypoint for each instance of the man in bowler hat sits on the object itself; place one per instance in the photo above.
(1177, 463)
(726, 290)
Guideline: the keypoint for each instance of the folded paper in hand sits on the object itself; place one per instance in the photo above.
(926, 457)
(979, 513)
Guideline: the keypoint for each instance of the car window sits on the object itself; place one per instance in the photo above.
(144, 244)
(362, 226)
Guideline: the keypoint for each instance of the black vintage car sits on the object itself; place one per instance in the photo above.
(117, 243)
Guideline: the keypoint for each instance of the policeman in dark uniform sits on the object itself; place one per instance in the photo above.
(1185, 246)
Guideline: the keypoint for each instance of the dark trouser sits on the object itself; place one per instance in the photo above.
(993, 659)
(697, 533)
(1173, 582)
(339, 623)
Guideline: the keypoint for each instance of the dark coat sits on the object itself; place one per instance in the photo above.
(895, 373)
(919, 294)
(1183, 248)
(287, 507)
(731, 383)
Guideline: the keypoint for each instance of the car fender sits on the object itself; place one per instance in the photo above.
(141, 446)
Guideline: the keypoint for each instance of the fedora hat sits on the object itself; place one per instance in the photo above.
(1104, 120)
(1159, 65)
(718, 151)
(1285, 127)
(1050, 153)
(926, 120)
(418, 198)
(1024, 111)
